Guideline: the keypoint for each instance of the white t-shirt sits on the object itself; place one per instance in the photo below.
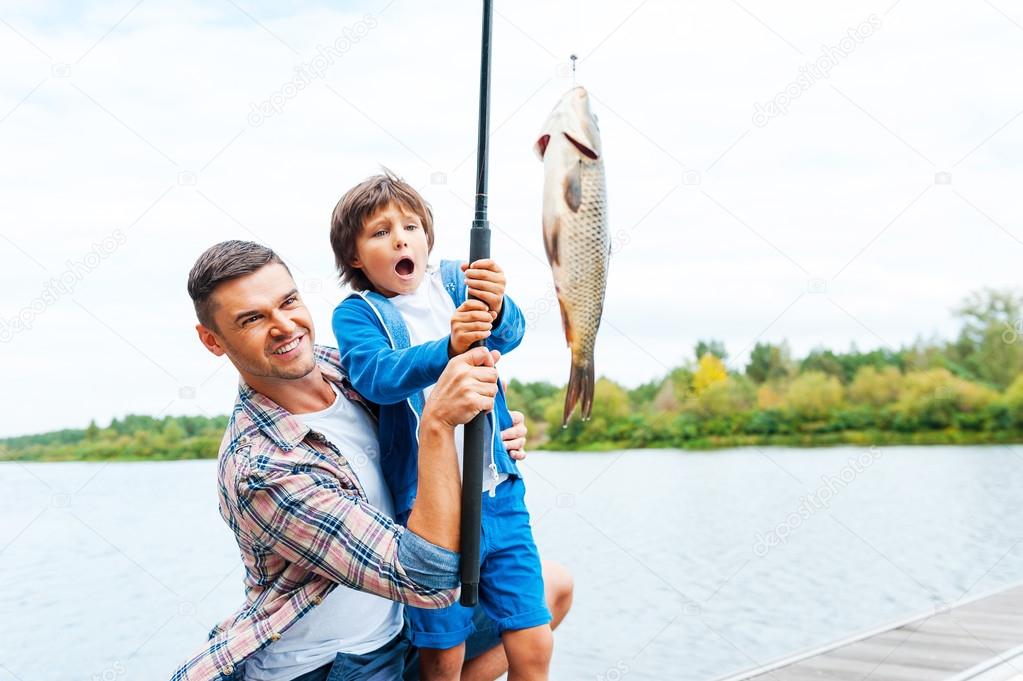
(347, 621)
(427, 312)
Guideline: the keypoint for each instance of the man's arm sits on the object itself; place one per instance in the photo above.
(304, 516)
(380, 373)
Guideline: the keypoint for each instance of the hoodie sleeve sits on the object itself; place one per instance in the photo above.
(377, 371)
(509, 329)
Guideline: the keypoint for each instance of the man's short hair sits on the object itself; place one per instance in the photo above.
(223, 262)
(359, 204)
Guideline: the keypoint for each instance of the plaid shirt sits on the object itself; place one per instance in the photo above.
(303, 525)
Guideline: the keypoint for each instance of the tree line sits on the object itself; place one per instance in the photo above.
(133, 438)
(966, 390)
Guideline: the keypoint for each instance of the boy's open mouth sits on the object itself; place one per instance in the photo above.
(405, 267)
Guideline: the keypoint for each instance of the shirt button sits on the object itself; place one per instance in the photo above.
(243, 440)
(227, 671)
(317, 600)
(275, 636)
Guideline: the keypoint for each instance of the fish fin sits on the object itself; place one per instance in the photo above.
(580, 387)
(550, 242)
(574, 188)
(541, 145)
(565, 324)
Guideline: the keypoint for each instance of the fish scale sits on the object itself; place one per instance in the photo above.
(584, 251)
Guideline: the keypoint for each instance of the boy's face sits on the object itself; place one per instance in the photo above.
(392, 250)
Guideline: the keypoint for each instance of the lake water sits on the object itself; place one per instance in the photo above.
(687, 565)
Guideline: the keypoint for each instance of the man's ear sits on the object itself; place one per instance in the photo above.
(210, 340)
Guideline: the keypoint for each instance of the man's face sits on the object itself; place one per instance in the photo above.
(392, 250)
(262, 325)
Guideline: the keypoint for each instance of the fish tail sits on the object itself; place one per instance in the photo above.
(580, 387)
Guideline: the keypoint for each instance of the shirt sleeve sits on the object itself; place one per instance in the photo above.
(306, 518)
(377, 371)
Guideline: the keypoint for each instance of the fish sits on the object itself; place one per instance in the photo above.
(575, 233)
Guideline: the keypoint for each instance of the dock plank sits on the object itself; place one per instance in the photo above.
(977, 640)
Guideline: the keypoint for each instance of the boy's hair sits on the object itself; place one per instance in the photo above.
(359, 204)
(223, 262)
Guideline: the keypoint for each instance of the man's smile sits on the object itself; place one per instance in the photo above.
(289, 347)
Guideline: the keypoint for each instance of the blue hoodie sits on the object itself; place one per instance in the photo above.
(375, 351)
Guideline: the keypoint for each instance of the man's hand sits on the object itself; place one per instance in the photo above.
(467, 387)
(471, 322)
(515, 437)
(486, 281)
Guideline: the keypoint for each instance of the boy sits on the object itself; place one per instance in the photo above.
(396, 335)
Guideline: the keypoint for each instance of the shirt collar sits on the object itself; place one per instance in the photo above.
(282, 427)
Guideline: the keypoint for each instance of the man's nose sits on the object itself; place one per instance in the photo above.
(283, 324)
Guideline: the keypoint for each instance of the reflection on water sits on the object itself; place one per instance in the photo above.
(687, 565)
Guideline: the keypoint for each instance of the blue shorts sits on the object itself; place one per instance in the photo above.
(511, 579)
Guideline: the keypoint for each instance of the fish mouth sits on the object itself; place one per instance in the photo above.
(582, 148)
(405, 267)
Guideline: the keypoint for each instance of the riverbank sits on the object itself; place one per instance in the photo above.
(206, 447)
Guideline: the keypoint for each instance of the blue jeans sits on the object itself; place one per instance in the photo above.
(398, 658)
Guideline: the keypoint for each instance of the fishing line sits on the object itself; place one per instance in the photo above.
(573, 58)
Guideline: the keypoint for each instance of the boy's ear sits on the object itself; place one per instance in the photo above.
(356, 263)
(210, 340)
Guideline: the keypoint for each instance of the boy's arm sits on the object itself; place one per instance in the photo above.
(378, 372)
(509, 328)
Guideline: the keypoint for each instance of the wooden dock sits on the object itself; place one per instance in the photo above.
(977, 640)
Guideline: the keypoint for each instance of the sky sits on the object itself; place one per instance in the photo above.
(821, 173)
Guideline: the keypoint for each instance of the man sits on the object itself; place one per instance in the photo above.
(301, 488)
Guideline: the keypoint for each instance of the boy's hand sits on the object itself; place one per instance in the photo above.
(471, 322)
(486, 281)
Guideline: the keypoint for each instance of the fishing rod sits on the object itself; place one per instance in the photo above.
(479, 249)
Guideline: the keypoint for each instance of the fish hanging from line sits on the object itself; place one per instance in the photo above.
(575, 233)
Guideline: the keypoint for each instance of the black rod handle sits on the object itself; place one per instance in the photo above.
(472, 461)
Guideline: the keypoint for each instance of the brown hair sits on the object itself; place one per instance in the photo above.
(359, 204)
(223, 262)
